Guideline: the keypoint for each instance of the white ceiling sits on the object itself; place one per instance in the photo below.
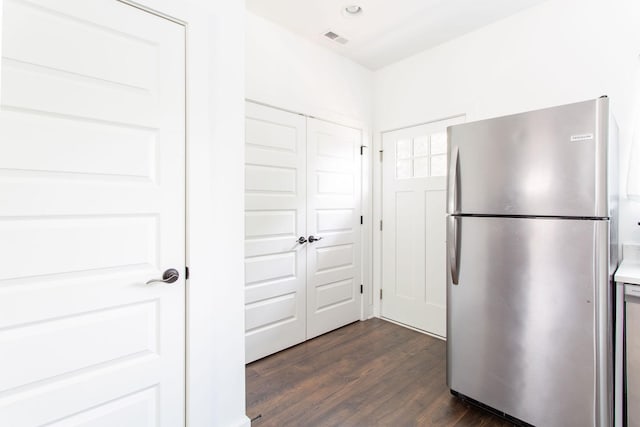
(387, 30)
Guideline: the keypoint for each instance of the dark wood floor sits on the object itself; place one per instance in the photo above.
(371, 373)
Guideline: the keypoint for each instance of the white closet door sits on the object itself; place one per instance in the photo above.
(275, 199)
(91, 207)
(414, 232)
(333, 206)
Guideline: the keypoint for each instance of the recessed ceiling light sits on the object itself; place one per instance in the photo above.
(354, 9)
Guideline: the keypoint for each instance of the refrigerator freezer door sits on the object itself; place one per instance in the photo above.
(521, 325)
(550, 162)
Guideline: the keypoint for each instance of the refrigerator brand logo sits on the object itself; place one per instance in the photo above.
(583, 137)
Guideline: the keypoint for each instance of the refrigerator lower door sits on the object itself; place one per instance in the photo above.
(528, 320)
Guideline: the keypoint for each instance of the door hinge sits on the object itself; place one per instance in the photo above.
(380, 293)
(361, 289)
(361, 220)
(186, 273)
(380, 225)
(381, 151)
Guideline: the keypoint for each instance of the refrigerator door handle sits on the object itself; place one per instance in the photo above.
(454, 247)
(454, 182)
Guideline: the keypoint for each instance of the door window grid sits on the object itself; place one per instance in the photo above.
(421, 157)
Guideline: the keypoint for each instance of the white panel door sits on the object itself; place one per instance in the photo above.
(414, 231)
(91, 207)
(333, 215)
(275, 199)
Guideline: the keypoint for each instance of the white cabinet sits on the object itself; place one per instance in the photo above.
(627, 336)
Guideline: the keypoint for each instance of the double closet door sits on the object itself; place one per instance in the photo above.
(302, 228)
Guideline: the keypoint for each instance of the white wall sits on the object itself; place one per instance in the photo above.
(292, 73)
(287, 71)
(215, 150)
(559, 52)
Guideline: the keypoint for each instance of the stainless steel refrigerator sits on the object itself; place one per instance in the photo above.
(532, 247)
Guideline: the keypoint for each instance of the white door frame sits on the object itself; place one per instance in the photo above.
(376, 256)
(366, 307)
(214, 373)
(204, 357)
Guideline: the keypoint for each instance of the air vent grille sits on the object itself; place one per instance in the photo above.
(331, 35)
(336, 37)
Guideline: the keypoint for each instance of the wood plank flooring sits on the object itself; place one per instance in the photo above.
(371, 373)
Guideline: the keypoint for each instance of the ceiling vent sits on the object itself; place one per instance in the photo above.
(335, 37)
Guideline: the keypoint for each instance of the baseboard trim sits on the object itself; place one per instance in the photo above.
(413, 329)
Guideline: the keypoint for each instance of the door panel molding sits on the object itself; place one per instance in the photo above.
(93, 112)
(275, 218)
(334, 265)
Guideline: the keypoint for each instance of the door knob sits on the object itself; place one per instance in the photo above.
(169, 276)
(312, 238)
(302, 240)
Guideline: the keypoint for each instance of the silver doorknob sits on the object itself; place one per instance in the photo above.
(169, 276)
(312, 238)
(302, 240)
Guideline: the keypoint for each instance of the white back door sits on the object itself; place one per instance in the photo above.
(333, 263)
(414, 226)
(91, 207)
(275, 216)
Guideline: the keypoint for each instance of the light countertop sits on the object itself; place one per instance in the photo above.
(628, 272)
(629, 269)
